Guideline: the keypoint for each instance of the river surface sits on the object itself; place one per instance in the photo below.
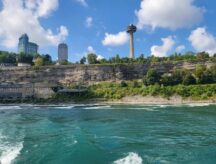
(115, 134)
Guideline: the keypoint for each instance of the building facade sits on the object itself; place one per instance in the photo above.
(27, 47)
(62, 52)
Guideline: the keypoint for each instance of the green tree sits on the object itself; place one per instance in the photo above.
(47, 59)
(199, 73)
(213, 73)
(23, 58)
(141, 59)
(166, 79)
(39, 61)
(189, 79)
(203, 75)
(92, 58)
(152, 77)
(83, 60)
(177, 76)
(202, 56)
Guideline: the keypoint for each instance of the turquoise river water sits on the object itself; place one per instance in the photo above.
(103, 134)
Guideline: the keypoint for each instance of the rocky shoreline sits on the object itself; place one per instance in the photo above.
(138, 99)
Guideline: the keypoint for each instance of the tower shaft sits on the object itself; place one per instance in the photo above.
(131, 45)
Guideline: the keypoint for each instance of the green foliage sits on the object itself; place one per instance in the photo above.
(23, 58)
(202, 56)
(92, 58)
(47, 59)
(152, 77)
(39, 61)
(115, 91)
(177, 76)
(13, 58)
(203, 75)
(123, 84)
(213, 73)
(189, 79)
(166, 79)
(6, 57)
(64, 62)
(176, 57)
(135, 84)
(83, 60)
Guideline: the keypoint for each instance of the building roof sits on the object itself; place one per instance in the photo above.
(24, 36)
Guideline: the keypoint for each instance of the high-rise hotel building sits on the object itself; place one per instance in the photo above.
(27, 47)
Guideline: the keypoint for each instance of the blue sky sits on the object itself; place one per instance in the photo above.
(164, 26)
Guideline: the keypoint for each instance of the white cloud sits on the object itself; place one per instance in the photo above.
(22, 16)
(41, 8)
(180, 48)
(162, 50)
(83, 3)
(201, 40)
(90, 49)
(100, 57)
(171, 14)
(115, 39)
(89, 22)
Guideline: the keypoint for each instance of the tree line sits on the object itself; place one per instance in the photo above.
(14, 58)
(189, 56)
(39, 60)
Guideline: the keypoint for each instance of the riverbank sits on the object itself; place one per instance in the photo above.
(137, 99)
(151, 100)
(130, 93)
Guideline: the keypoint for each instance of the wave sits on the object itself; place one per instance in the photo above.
(199, 104)
(9, 107)
(98, 107)
(10, 153)
(184, 105)
(63, 107)
(145, 109)
(50, 106)
(132, 158)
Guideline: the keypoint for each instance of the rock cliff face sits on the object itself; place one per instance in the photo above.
(86, 74)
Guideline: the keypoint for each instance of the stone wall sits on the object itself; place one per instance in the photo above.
(85, 74)
(23, 91)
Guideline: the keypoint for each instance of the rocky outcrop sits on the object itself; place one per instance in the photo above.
(86, 74)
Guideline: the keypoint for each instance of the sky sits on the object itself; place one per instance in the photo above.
(98, 26)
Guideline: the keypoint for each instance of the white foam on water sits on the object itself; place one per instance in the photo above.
(164, 106)
(98, 107)
(63, 107)
(10, 153)
(132, 158)
(199, 104)
(54, 106)
(9, 107)
(144, 108)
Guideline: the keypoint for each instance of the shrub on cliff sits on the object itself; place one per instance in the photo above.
(123, 84)
(189, 79)
(152, 77)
